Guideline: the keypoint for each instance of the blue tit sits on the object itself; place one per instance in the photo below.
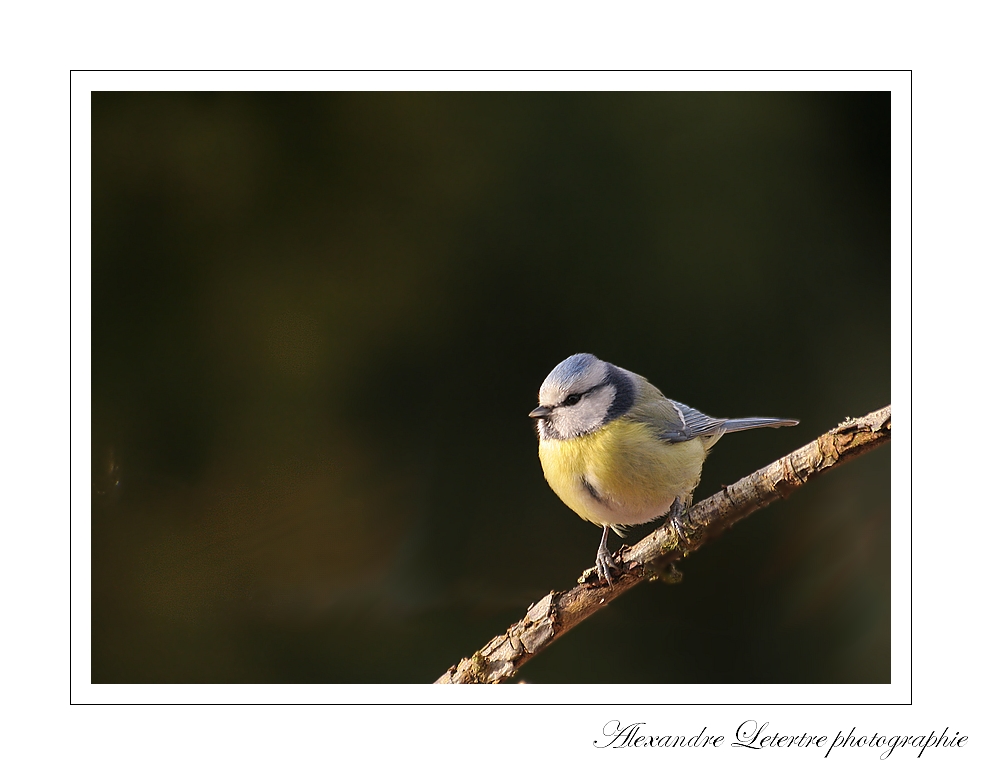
(619, 453)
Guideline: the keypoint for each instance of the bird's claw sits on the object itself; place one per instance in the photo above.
(675, 514)
(606, 566)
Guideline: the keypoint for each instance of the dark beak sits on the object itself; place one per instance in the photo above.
(541, 412)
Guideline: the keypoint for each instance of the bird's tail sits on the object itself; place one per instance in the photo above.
(746, 423)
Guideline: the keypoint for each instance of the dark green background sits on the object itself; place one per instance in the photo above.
(319, 322)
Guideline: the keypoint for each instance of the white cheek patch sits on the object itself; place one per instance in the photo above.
(586, 416)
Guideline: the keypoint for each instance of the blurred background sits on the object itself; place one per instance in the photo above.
(319, 321)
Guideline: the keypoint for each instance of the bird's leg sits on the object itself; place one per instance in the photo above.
(675, 513)
(605, 562)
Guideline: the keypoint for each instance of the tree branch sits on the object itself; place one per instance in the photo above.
(558, 612)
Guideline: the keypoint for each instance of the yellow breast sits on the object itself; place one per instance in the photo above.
(621, 474)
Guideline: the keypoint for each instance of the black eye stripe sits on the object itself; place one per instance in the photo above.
(574, 398)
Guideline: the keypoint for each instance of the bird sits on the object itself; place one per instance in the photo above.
(618, 452)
